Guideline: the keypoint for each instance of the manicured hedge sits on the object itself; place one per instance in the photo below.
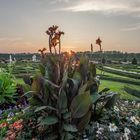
(119, 79)
(136, 76)
(133, 91)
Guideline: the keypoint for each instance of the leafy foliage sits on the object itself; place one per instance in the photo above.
(7, 88)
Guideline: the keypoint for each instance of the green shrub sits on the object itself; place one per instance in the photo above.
(7, 88)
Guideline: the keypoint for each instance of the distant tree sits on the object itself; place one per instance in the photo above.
(103, 60)
(124, 60)
(134, 61)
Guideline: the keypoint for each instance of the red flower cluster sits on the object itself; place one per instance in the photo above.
(18, 125)
(13, 129)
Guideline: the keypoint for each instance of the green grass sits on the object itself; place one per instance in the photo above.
(119, 76)
(117, 87)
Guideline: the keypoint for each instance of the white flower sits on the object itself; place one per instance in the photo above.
(98, 125)
(100, 131)
(134, 120)
(125, 136)
(116, 108)
(112, 127)
(126, 102)
(126, 130)
(133, 102)
(85, 137)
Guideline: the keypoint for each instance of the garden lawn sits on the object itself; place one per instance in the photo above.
(117, 87)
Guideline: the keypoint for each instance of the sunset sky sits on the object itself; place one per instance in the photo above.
(23, 24)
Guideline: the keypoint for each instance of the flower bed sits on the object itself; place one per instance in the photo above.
(120, 122)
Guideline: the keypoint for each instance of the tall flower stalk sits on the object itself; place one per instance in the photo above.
(54, 38)
(98, 42)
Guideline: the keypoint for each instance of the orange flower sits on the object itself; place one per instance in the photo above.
(4, 124)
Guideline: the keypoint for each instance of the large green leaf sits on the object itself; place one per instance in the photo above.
(83, 68)
(62, 100)
(49, 120)
(42, 69)
(104, 90)
(93, 88)
(77, 76)
(72, 90)
(92, 69)
(64, 76)
(40, 108)
(36, 84)
(80, 105)
(66, 115)
(83, 60)
(70, 128)
(83, 89)
(84, 121)
(67, 136)
(111, 102)
(95, 97)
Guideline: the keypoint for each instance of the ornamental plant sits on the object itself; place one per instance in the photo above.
(7, 88)
(64, 97)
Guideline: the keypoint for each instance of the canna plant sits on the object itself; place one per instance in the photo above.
(65, 96)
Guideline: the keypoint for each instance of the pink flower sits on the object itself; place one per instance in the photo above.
(138, 104)
(10, 135)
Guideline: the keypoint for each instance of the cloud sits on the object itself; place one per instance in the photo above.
(105, 6)
(133, 27)
(62, 1)
(59, 1)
